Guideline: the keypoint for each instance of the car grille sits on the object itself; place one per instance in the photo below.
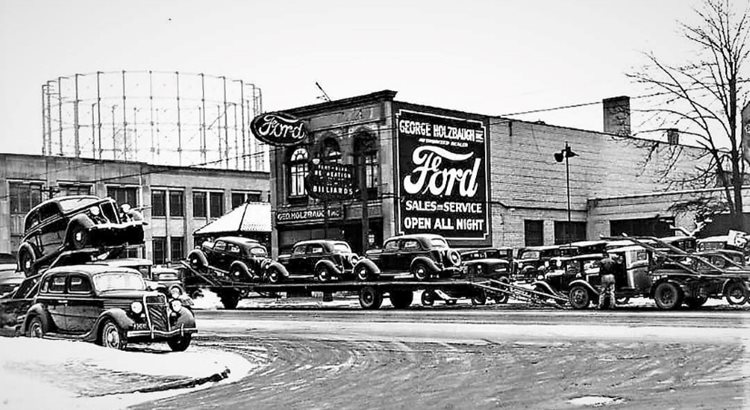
(157, 312)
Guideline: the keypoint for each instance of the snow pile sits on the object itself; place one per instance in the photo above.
(37, 373)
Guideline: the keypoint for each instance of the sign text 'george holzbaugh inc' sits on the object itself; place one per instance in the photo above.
(442, 176)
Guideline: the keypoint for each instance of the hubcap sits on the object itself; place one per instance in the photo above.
(112, 337)
(36, 330)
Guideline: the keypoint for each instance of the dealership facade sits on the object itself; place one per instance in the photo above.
(477, 180)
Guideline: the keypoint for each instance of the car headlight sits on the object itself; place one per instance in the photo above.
(136, 307)
(175, 305)
(175, 291)
(94, 210)
(539, 277)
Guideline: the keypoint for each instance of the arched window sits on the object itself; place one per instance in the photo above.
(330, 150)
(297, 172)
(366, 154)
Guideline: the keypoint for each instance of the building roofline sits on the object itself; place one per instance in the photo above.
(306, 110)
(117, 161)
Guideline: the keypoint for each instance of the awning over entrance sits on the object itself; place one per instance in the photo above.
(251, 217)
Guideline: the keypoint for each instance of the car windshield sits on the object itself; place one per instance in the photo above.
(341, 247)
(529, 255)
(119, 281)
(439, 243)
(75, 203)
(257, 251)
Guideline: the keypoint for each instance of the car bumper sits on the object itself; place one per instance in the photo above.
(154, 334)
(117, 234)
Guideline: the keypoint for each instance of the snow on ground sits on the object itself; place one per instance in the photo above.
(37, 373)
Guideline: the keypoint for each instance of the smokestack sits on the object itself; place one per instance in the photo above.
(617, 115)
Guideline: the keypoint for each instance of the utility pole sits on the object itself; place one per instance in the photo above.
(559, 156)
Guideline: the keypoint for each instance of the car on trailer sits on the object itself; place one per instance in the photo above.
(533, 260)
(320, 259)
(15, 304)
(563, 270)
(422, 256)
(107, 305)
(10, 278)
(235, 258)
(72, 223)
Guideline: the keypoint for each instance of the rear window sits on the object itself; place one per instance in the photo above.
(57, 284)
(75, 203)
(257, 251)
(341, 247)
(529, 255)
(439, 243)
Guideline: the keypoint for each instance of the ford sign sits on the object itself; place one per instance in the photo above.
(278, 129)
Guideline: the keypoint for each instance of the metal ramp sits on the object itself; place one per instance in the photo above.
(522, 294)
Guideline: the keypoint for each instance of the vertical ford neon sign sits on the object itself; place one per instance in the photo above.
(442, 176)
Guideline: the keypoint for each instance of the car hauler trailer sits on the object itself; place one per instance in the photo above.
(371, 293)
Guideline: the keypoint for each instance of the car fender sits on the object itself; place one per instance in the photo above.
(186, 319)
(328, 264)
(431, 265)
(370, 265)
(585, 284)
(281, 268)
(544, 285)
(29, 247)
(241, 266)
(80, 219)
(36, 310)
(116, 314)
(200, 255)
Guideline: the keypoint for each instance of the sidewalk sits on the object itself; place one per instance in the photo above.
(38, 373)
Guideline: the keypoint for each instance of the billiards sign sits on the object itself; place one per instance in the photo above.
(442, 176)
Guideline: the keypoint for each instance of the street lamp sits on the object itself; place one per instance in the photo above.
(559, 156)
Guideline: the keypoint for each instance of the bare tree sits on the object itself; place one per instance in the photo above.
(702, 99)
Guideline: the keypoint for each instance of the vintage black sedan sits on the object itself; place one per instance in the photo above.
(107, 305)
(323, 260)
(231, 257)
(421, 256)
(72, 223)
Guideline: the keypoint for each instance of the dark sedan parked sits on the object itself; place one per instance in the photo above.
(421, 255)
(72, 223)
(232, 257)
(107, 305)
(324, 260)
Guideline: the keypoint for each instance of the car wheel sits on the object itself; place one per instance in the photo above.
(26, 262)
(36, 328)
(274, 276)
(502, 297)
(79, 237)
(195, 262)
(322, 274)
(579, 297)
(370, 298)
(420, 271)
(695, 303)
(180, 344)
(667, 296)
(363, 274)
(401, 299)
(240, 275)
(480, 298)
(735, 293)
(112, 336)
(428, 298)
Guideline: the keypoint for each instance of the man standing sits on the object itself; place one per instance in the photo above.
(607, 270)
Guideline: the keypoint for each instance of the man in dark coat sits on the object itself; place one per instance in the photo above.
(607, 270)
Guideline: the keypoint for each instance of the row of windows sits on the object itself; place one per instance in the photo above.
(564, 232)
(24, 196)
(176, 249)
(206, 204)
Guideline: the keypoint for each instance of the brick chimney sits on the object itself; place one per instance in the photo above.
(617, 115)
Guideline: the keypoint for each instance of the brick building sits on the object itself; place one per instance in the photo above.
(176, 200)
(478, 180)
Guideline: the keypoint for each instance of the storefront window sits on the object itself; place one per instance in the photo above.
(297, 172)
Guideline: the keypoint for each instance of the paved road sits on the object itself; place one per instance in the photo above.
(491, 357)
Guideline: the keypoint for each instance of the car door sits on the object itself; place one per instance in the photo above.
(389, 255)
(295, 264)
(409, 249)
(219, 256)
(52, 295)
(315, 253)
(233, 253)
(82, 309)
(52, 227)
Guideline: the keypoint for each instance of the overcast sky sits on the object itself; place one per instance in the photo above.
(489, 57)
